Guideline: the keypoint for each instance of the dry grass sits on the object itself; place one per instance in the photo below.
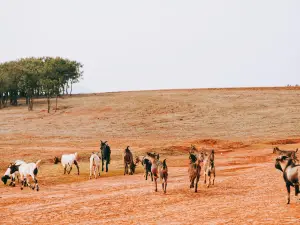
(163, 121)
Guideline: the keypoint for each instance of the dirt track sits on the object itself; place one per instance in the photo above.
(248, 190)
(249, 193)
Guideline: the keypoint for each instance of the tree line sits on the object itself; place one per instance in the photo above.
(31, 78)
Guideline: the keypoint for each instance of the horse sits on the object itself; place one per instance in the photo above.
(129, 166)
(146, 164)
(209, 167)
(105, 154)
(164, 176)
(156, 166)
(194, 171)
(291, 174)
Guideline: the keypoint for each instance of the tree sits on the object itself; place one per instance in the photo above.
(35, 77)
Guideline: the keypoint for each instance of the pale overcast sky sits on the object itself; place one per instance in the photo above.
(138, 45)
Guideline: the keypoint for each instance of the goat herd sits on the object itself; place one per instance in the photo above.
(287, 162)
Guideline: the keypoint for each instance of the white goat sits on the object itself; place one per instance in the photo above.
(67, 161)
(95, 165)
(13, 176)
(26, 171)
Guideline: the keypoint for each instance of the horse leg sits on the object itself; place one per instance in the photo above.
(166, 182)
(151, 176)
(76, 164)
(146, 174)
(106, 166)
(204, 178)
(155, 183)
(288, 188)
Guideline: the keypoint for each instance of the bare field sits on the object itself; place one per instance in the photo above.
(241, 124)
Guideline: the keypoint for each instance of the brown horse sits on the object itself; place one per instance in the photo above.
(129, 166)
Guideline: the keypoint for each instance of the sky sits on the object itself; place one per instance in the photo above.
(159, 44)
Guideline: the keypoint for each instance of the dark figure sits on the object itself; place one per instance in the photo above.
(105, 154)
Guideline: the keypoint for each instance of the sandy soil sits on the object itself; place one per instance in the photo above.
(242, 125)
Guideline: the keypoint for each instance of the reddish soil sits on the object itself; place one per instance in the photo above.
(242, 125)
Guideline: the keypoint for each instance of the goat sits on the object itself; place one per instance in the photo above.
(146, 164)
(291, 173)
(67, 161)
(26, 171)
(12, 176)
(129, 166)
(209, 167)
(164, 176)
(194, 170)
(288, 153)
(95, 165)
(156, 167)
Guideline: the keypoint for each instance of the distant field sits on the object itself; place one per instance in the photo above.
(242, 124)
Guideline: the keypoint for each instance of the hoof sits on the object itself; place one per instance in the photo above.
(37, 189)
(21, 188)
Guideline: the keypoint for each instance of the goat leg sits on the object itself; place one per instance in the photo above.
(288, 188)
(296, 190)
(76, 164)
